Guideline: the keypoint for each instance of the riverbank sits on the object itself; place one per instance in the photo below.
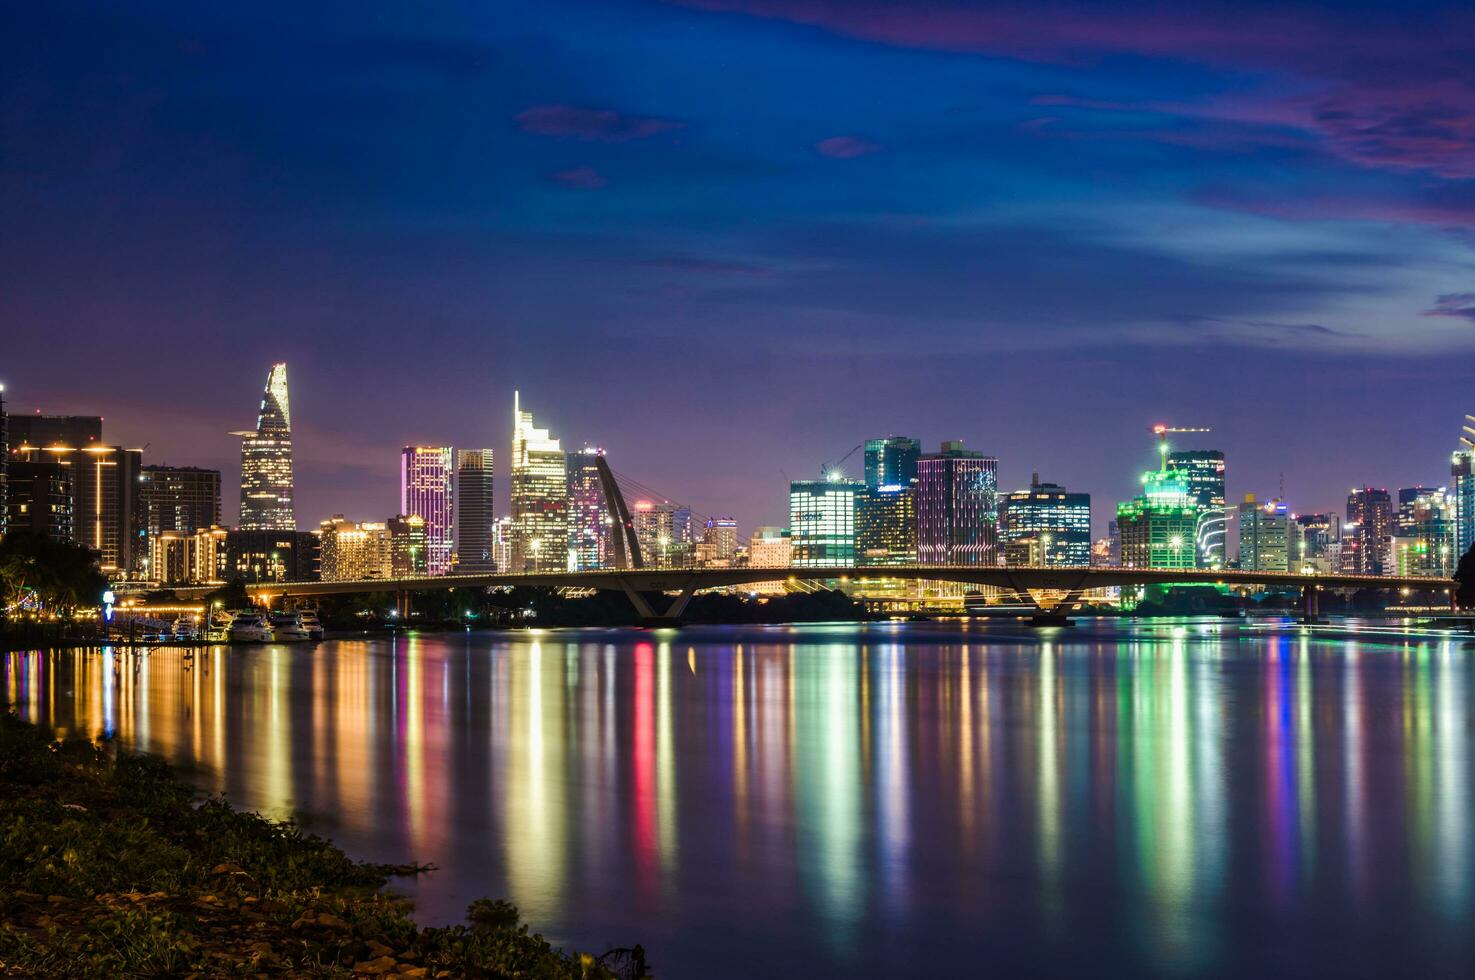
(110, 867)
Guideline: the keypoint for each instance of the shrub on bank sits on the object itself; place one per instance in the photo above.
(109, 868)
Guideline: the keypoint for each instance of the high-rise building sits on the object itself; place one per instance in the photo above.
(891, 462)
(502, 552)
(189, 558)
(1315, 542)
(957, 507)
(1202, 471)
(476, 514)
(40, 498)
(428, 490)
(40, 431)
(353, 551)
(719, 543)
(177, 498)
(886, 525)
(1156, 529)
(539, 496)
(1369, 532)
(1462, 489)
(266, 461)
(408, 548)
(265, 555)
(589, 523)
(1425, 539)
(822, 521)
(1058, 521)
(664, 531)
(1264, 536)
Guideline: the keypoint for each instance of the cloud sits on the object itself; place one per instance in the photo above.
(580, 178)
(846, 147)
(1460, 305)
(598, 125)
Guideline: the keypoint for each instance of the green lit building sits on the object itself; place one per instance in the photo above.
(822, 522)
(1157, 528)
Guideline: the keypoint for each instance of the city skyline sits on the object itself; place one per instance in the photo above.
(1042, 235)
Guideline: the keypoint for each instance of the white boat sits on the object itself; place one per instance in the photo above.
(312, 624)
(288, 628)
(248, 627)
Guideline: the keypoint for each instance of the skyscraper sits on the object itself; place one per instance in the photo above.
(1426, 531)
(589, 525)
(1156, 529)
(1057, 522)
(539, 496)
(1264, 536)
(957, 507)
(408, 551)
(886, 525)
(822, 521)
(891, 462)
(1462, 489)
(665, 533)
(353, 552)
(1315, 540)
(266, 461)
(177, 498)
(1202, 471)
(1369, 531)
(428, 490)
(718, 546)
(476, 515)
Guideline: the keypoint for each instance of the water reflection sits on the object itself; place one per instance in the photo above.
(1165, 800)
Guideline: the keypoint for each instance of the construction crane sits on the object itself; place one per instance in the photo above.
(1161, 431)
(826, 469)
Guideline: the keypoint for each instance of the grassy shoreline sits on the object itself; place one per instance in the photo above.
(110, 866)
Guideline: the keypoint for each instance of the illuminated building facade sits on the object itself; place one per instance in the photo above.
(1156, 529)
(770, 547)
(822, 522)
(886, 525)
(353, 552)
(1316, 542)
(476, 514)
(39, 496)
(1264, 536)
(891, 462)
(1203, 472)
(258, 555)
(1425, 532)
(177, 498)
(957, 507)
(589, 524)
(719, 543)
(189, 558)
(266, 461)
(1369, 532)
(408, 548)
(1462, 492)
(539, 496)
(664, 531)
(428, 490)
(1056, 521)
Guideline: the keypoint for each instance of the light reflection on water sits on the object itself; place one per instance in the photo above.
(1118, 799)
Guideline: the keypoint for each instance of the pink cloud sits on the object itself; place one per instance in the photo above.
(846, 147)
(1461, 305)
(580, 178)
(599, 125)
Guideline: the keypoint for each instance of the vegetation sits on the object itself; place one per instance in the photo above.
(1465, 576)
(42, 576)
(108, 868)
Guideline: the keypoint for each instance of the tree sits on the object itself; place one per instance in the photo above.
(41, 574)
(1465, 576)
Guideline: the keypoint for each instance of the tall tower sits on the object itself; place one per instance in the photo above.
(266, 461)
(957, 507)
(476, 516)
(589, 522)
(539, 496)
(428, 491)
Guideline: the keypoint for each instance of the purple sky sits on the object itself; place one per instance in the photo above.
(730, 239)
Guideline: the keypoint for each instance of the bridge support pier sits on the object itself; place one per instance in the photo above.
(672, 615)
(403, 605)
(1310, 605)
